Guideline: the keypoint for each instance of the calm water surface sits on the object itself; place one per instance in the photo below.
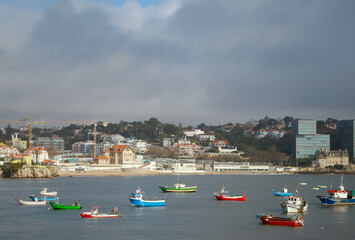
(185, 216)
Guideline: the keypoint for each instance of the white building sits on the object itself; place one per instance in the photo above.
(227, 150)
(206, 137)
(193, 132)
(237, 166)
(38, 154)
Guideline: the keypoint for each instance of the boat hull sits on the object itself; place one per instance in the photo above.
(147, 203)
(104, 215)
(272, 220)
(42, 198)
(276, 193)
(30, 203)
(178, 190)
(64, 207)
(240, 198)
(329, 201)
(288, 208)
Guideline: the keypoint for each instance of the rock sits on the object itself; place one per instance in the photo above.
(37, 172)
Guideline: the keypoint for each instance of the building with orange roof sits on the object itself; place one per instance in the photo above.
(38, 154)
(122, 154)
(5, 150)
(18, 158)
(102, 160)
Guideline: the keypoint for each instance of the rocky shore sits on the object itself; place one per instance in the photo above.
(32, 172)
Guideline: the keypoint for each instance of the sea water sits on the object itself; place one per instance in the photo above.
(186, 215)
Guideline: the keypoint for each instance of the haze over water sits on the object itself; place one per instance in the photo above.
(185, 216)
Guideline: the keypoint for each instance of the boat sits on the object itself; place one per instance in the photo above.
(75, 206)
(137, 199)
(222, 195)
(315, 188)
(34, 197)
(179, 188)
(296, 221)
(338, 197)
(33, 203)
(284, 192)
(45, 192)
(94, 213)
(303, 183)
(321, 186)
(294, 204)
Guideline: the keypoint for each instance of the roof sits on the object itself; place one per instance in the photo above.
(120, 148)
(102, 157)
(48, 161)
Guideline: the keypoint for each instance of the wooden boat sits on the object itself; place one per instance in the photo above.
(45, 192)
(222, 195)
(75, 206)
(32, 203)
(284, 192)
(179, 188)
(94, 213)
(289, 221)
(137, 199)
(294, 204)
(338, 197)
(42, 198)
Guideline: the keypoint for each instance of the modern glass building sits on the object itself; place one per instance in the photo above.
(346, 130)
(306, 141)
(305, 146)
(304, 126)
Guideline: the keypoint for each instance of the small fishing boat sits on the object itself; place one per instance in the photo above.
(303, 183)
(58, 206)
(284, 192)
(179, 188)
(94, 213)
(34, 197)
(32, 203)
(321, 186)
(45, 192)
(296, 221)
(137, 199)
(315, 188)
(294, 204)
(222, 195)
(339, 197)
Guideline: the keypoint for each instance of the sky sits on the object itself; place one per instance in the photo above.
(181, 61)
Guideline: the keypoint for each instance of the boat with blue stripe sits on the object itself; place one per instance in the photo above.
(138, 200)
(284, 192)
(37, 198)
(339, 197)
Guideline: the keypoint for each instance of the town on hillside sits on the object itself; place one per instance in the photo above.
(263, 146)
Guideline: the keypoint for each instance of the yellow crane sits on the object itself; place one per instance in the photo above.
(29, 123)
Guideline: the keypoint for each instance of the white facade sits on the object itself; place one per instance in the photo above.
(227, 149)
(244, 167)
(6, 151)
(194, 132)
(206, 137)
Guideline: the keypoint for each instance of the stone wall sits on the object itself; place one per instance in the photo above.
(34, 172)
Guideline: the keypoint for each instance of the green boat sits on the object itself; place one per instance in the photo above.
(75, 206)
(179, 188)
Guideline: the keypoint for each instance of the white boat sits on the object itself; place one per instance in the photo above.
(45, 192)
(33, 203)
(294, 204)
(315, 188)
(321, 186)
(303, 183)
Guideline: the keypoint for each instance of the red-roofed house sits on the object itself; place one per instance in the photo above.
(122, 154)
(17, 158)
(48, 162)
(219, 143)
(102, 160)
(38, 154)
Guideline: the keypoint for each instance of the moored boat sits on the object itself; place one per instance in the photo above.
(32, 203)
(138, 200)
(315, 188)
(75, 206)
(284, 192)
(94, 213)
(179, 188)
(296, 221)
(45, 192)
(294, 204)
(339, 197)
(42, 198)
(222, 195)
(303, 183)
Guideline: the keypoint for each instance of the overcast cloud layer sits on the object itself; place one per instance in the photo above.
(193, 61)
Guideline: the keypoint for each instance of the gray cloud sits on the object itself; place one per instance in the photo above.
(183, 61)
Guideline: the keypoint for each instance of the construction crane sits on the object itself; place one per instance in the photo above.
(86, 123)
(29, 123)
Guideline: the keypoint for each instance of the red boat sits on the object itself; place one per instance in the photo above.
(272, 220)
(94, 213)
(222, 195)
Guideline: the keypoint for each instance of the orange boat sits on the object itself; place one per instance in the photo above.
(272, 220)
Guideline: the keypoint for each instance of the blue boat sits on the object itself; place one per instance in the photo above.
(137, 199)
(339, 197)
(284, 192)
(36, 198)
